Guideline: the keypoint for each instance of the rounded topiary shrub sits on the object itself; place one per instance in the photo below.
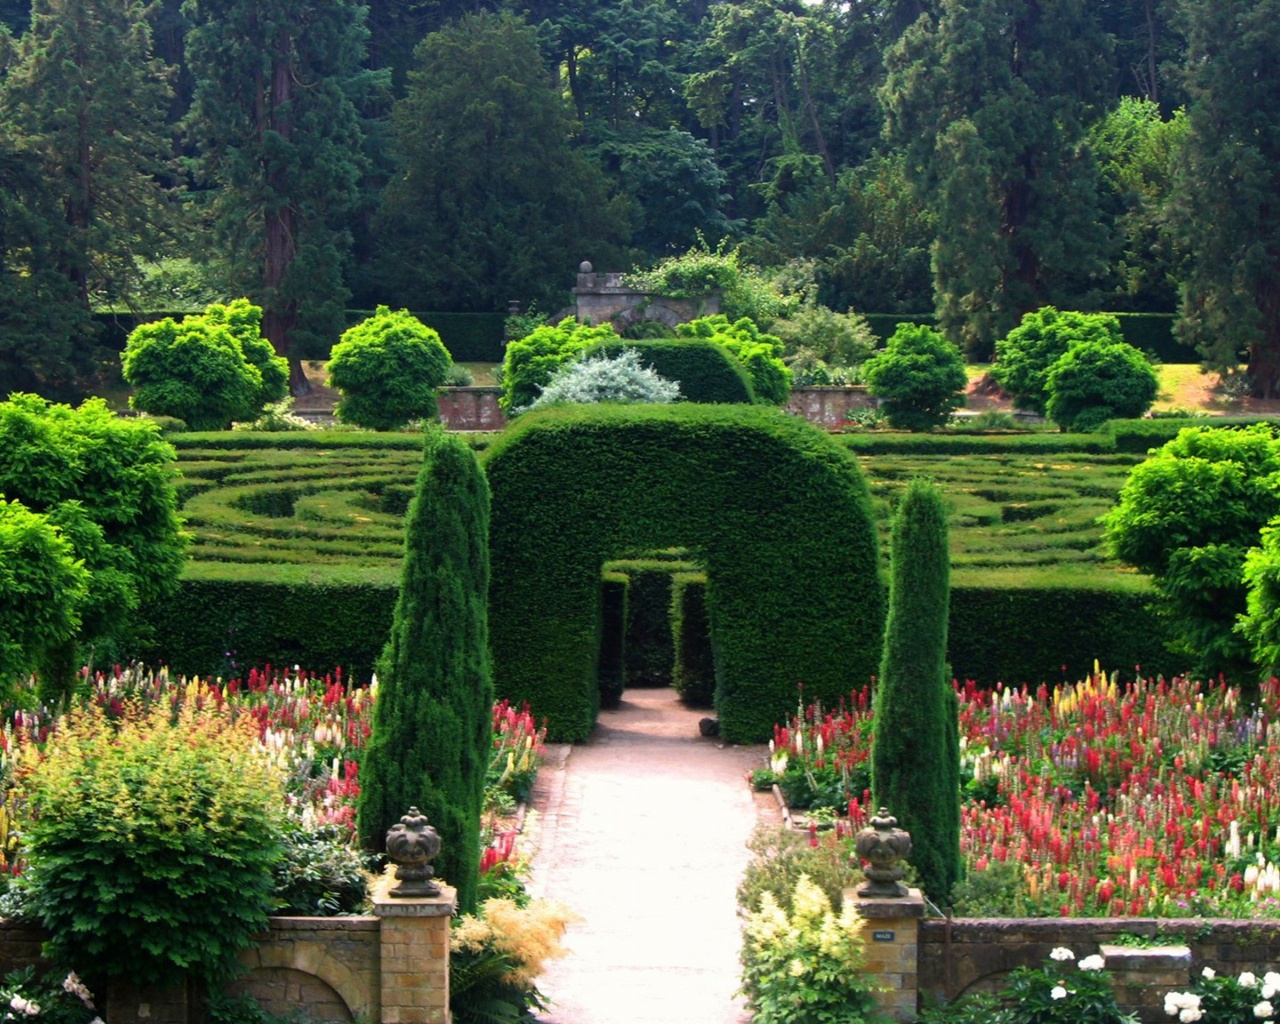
(388, 368)
(705, 371)
(152, 842)
(919, 378)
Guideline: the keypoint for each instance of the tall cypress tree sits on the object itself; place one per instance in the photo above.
(915, 757)
(433, 718)
(990, 101)
(277, 122)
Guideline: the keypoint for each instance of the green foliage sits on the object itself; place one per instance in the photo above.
(607, 378)
(693, 671)
(705, 371)
(838, 339)
(531, 361)
(388, 368)
(1187, 516)
(56, 999)
(432, 724)
(773, 508)
(1221, 999)
(1025, 355)
(919, 378)
(611, 668)
(152, 842)
(495, 201)
(319, 874)
(915, 759)
(1260, 624)
(744, 291)
(41, 588)
(207, 370)
(806, 966)
(1093, 382)
(108, 485)
(760, 354)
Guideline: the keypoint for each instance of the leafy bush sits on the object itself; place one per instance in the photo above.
(1024, 356)
(760, 354)
(320, 873)
(780, 856)
(531, 361)
(836, 339)
(1218, 999)
(496, 956)
(152, 841)
(605, 378)
(388, 368)
(55, 999)
(208, 370)
(1094, 381)
(805, 967)
(919, 378)
(705, 371)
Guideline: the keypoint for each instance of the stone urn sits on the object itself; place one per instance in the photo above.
(413, 844)
(883, 844)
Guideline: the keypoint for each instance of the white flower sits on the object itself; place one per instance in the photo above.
(1208, 972)
(1271, 978)
(1190, 1014)
(1269, 991)
(1092, 963)
(1248, 980)
(1263, 1009)
(1058, 992)
(27, 1006)
(1062, 953)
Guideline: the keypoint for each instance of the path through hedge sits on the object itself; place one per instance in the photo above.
(642, 831)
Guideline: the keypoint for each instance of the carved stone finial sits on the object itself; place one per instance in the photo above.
(585, 267)
(412, 844)
(883, 844)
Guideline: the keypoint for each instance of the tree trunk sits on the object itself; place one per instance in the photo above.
(1264, 355)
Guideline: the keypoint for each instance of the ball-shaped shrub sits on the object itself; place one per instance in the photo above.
(388, 368)
(606, 378)
(919, 378)
(1024, 356)
(531, 361)
(152, 841)
(1097, 381)
(196, 370)
(244, 320)
(759, 353)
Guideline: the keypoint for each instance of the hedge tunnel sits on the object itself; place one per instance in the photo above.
(776, 512)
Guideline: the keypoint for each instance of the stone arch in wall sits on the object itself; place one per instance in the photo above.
(283, 976)
(601, 298)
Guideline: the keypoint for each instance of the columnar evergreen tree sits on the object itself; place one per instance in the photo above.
(915, 757)
(88, 100)
(276, 118)
(432, 723)
(1227, 203)
(990, 101)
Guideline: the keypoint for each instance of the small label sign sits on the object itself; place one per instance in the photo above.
(879, 936)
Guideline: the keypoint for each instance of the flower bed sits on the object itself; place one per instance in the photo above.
(1159, 798)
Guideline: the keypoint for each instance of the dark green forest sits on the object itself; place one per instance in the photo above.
(972, 159)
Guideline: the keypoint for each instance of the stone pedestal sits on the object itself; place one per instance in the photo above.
(414, 940)
(892, 949)
(1141, 977)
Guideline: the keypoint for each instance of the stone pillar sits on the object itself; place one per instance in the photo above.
(892, 948)
(414, 941)
(1141, 977)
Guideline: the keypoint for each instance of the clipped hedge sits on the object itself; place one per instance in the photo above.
(1143, 435)
(611, 671)
(649, 651)
(693, 673)
(903, 443)
(1006, 627)
(226, 618)
(704, 370)
(777, 512)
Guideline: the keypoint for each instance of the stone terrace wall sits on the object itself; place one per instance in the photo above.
(974, 954)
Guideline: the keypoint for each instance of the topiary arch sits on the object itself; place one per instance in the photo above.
(776, 511)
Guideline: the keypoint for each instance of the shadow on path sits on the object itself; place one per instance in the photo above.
(642, 831)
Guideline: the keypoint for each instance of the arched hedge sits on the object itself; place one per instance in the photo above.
(777, 513)
(707, 372)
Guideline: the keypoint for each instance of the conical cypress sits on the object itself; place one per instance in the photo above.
(915, 770)
(433, 719)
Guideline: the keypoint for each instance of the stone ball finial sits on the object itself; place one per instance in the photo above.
(412, 844)
(883, 844)
(585, 267)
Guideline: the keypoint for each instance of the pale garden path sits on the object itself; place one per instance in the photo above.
(642, 831)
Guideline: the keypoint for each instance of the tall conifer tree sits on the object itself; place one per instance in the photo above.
(433, 718)
(915, 756)
(1227, 204)
(990, 101)
(280, 135)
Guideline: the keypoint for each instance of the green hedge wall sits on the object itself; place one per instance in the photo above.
(649, 653)
(611, 671)
(694, 671)
(777, 512)
(903, 443)
(225, 619)
(1051, 633)
(1141, 435)
(705, 371)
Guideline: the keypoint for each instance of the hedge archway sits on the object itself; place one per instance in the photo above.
(776, 511)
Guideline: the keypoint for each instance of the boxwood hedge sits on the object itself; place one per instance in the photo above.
(777, 512)
(704, 370)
